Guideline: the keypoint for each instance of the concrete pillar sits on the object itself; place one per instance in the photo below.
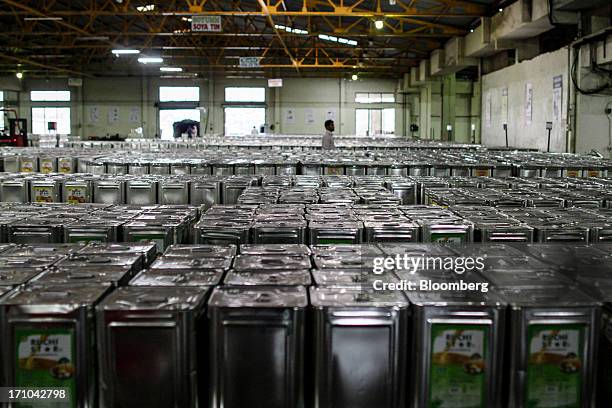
(449, 98)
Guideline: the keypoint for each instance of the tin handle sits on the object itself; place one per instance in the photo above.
(263, 298)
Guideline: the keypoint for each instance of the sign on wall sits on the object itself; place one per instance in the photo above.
(113, 115)
(290, 116)
(275, 83)
(94, 114)
(135, 114)
(206, 24)
(309, 116)
(249, 62)
(528, 104)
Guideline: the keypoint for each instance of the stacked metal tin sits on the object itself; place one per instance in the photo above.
(541, 315)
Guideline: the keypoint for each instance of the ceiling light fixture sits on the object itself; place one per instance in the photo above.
(43, 19)
(19, 75)
(150, 60)
(379, 24)
(122, 51)
(171, 69)
(354, 77)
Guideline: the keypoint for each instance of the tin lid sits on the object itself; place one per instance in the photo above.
(177, 277)
(417, 249)
(275, 249)
(350, 277)
(535, 278)
(106, 274)
(259, 297)
(42, 249)
(22, 262)
(346, 297)
(363, 250)
(155, 298)
(554, 296)
(344, 262)
(245, 263)
(191, 263)
(17, 276)
(266, 278)
(118, 248)
(201, 251)
(56, 295)
(517, 264)
(487, 250)
(99, 260)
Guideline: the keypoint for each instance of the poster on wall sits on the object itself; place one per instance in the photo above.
(290, 116)
(94, 114)
(488, 109)
(558, 99)
(330, 114)
(135, 114)
(528, 104)
(505, 106)
(113, 115)
(309, 116)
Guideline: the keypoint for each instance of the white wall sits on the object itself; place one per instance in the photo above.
(540, 72)
(127, 93)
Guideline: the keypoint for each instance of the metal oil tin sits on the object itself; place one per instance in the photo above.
(15, 190)
(93, 230)
(178, 277)
(141, 192)
(270, 320)
(77, 191)
(163, 329)
(335, 232)
(222, 232)
(360, 348)
(45, 191)
(109, 191)
(47, 164)
(49, 339)
(552, 346)
(279, 232)
(173, 192)
(147, 249)
(206, 192)
(115, 275)
(268, 278)
(458, 340)
(400, 231)
(38, 230)
(11, 277)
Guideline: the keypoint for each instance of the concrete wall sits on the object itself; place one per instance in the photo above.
(539, 72)
(142, 93)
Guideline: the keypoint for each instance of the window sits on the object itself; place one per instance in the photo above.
(42, 116)
(374, 97)
(244, 94)
(168, 117)
(372, 122)
(179, 94)
(240, 121)
(50, 96)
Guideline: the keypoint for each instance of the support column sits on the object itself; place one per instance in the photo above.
(449, 99)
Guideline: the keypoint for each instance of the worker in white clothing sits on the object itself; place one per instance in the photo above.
(328, 137)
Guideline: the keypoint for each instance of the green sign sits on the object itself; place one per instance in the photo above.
(457, 373)
(554, 369)
(45, 358)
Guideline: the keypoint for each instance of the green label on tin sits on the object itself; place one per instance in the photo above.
(76, 195)
(554, 369)
(335, 241)
(457, 377)
(450, 237)
(45, 358)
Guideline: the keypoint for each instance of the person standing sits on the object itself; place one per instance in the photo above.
(328, 137)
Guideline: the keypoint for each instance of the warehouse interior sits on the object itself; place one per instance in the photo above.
(306, 203)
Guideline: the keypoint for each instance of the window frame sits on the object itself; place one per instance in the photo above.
(50, 96)
(172, 99)
(253, 102)
(374, 97)
(46, 131)
(382, 121)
